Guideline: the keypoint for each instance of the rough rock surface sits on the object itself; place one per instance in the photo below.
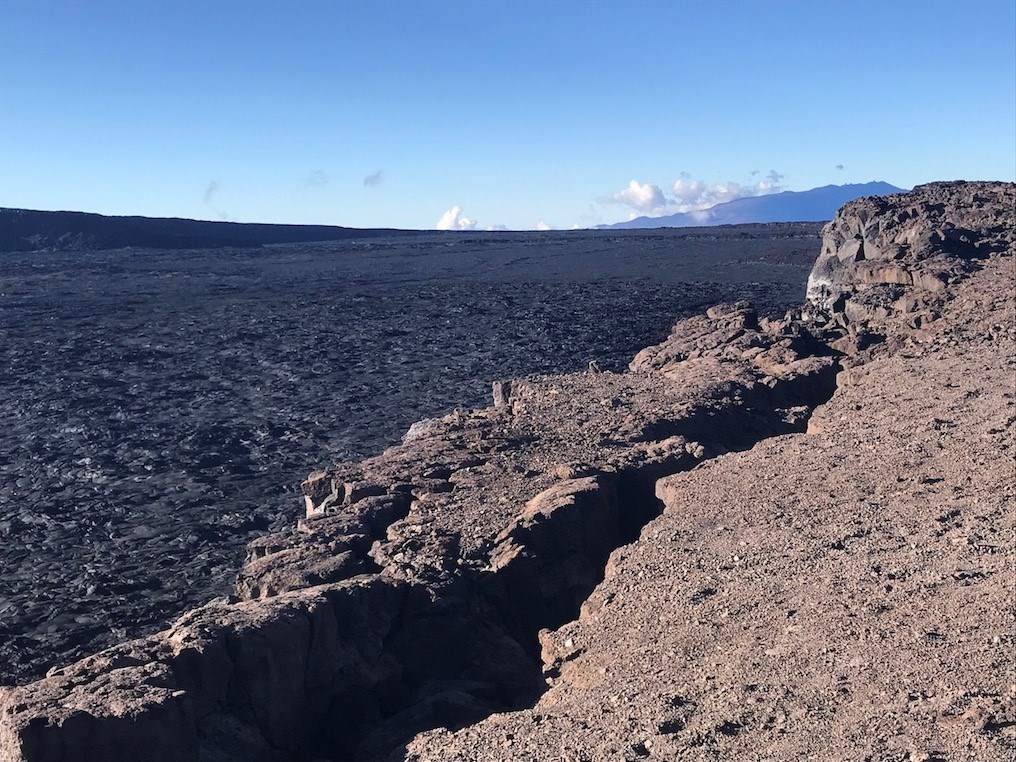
(840, 589)
(159, 409)
(890, 255)
(844, 594)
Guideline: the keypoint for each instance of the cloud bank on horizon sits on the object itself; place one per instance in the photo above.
(453, 219)
(687, 194)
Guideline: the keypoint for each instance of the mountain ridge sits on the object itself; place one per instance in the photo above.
(34, 230)
(811, 205)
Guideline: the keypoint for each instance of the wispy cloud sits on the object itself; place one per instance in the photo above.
(374, 178)
(214, 186)
(316, 179)
(691, 195)
(453, 219)
(592, 216)
(211, 190)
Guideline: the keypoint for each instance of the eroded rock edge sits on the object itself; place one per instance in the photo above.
(376, 620)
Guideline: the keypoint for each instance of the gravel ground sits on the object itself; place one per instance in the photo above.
(843, 594)
(158, 409)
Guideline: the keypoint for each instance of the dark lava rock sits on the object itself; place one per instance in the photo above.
(158, 409)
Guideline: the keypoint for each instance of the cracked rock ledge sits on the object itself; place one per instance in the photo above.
(765, 540)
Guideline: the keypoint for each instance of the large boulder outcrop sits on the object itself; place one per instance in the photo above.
(888, 255)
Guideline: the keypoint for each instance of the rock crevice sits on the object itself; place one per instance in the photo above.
(422, 586)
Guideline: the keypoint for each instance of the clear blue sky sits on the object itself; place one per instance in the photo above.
(518, 112)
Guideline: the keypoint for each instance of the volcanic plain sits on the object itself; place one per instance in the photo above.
(159, 408)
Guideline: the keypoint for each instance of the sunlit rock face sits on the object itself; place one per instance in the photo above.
(885, 255)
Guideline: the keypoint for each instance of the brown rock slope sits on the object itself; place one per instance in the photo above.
(845, 591)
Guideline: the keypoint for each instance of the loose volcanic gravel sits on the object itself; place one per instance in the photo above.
(159, 409)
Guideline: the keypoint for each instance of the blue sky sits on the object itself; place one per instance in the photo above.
(519, 113)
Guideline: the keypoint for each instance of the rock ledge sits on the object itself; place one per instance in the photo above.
(442, 582)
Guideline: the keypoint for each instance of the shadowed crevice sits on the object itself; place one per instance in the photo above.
(555, 563)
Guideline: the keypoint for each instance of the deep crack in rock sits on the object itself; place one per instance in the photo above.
(430, 587)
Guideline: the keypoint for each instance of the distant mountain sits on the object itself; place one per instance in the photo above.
(26, 230)
(790, 206)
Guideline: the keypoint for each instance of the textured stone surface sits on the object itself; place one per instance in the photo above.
(448, 552)
(683, 559)
(845, 593)
(887, 255)
(159, 409)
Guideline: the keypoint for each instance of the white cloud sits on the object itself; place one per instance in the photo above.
(453, 220)
(773, 183)
(645, 198)
(692, 195)
(688, 194)
(541, 225)
(496, 227)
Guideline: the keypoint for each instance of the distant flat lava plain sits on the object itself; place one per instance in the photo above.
(158, 409)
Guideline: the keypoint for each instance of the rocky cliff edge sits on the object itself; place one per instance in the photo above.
(559, 561)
